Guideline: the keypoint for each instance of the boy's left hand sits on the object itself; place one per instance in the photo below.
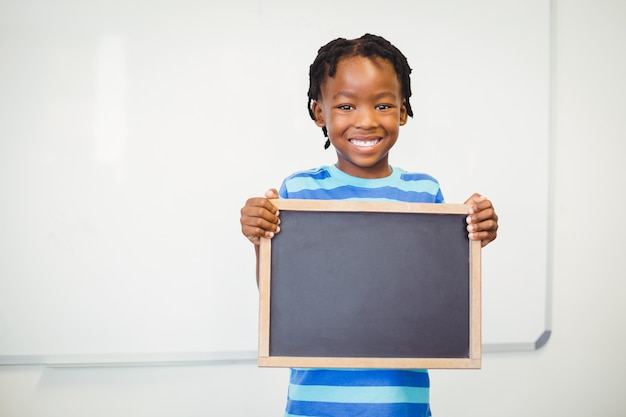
(482, 220)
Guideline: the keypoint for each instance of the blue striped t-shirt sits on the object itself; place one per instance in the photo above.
(359, 392)
(330, 183)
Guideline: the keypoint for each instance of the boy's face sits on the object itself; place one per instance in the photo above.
(362, 108)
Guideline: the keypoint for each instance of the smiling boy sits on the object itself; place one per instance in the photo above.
(359, 95)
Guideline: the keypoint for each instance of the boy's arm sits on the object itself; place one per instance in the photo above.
(259, 218)
(482, 220)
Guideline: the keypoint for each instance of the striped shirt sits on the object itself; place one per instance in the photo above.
(329, 183)
(359, 392)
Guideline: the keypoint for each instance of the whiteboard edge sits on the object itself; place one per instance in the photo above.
(203, 359)
(132, 359)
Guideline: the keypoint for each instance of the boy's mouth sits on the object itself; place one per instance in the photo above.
(364, 143)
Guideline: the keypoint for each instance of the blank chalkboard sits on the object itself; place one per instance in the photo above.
(364, 284)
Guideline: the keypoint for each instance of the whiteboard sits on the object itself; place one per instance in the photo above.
(131, 133)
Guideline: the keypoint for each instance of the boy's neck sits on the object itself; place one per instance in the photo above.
(365, 173)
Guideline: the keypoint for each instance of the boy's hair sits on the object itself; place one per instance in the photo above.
(369, 46)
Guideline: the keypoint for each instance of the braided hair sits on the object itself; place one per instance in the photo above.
(368, 45)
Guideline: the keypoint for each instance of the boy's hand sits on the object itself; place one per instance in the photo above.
(482, 220)
(259, 218)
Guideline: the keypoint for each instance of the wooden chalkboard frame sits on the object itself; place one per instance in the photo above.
(470, 358)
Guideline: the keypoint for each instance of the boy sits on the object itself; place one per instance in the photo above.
(359, 95)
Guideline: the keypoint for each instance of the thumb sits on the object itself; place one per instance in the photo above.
(271, 193)
(475, 198)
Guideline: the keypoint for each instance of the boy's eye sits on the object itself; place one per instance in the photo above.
(383, 107)
(345, 107)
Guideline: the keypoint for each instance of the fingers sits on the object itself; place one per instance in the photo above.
(485, 231)
(259, 218)
(482, 220)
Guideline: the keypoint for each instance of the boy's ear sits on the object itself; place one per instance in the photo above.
(404, 115)
(318, 113)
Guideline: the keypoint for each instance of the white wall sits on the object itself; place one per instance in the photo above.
(578, 373)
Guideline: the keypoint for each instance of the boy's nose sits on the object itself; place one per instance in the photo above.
(365, 118)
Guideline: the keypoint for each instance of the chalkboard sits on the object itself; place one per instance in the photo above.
(364, 284)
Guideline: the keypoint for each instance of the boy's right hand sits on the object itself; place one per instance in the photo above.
(259, 217)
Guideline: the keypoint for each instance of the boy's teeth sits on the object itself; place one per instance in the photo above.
(364, 142)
